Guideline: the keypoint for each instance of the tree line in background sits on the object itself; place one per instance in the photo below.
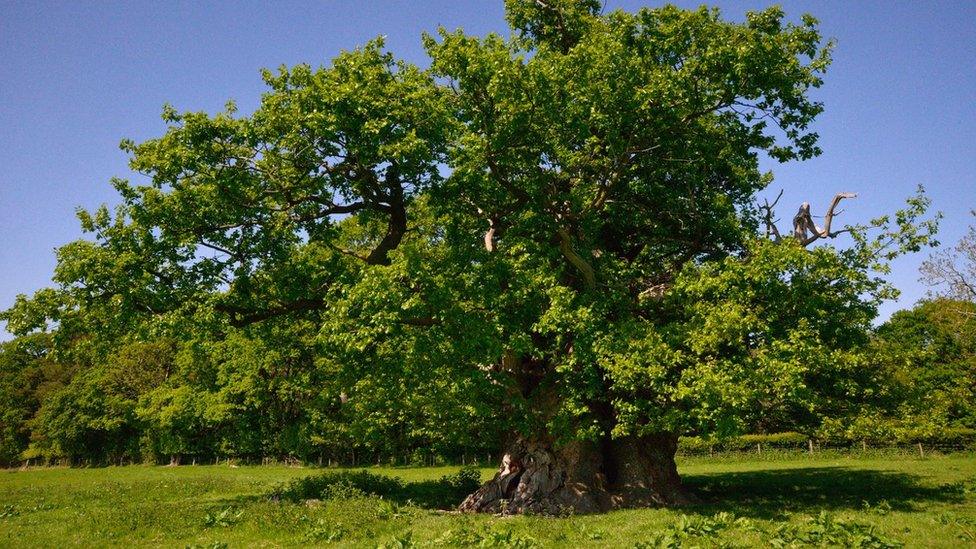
(255, 396)
(245, 396)
(249, 398)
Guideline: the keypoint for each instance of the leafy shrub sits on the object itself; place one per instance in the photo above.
(339, 485)
(506, 539)
(467, 480)
(224, 518)
(323, 531)
(824, 530)
(444, 493)
(391, 510)
(466, 536)
(661, 540)
(401, 541)
(588, 533)
(821, 531)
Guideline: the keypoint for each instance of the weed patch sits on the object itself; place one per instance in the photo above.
(223, 518)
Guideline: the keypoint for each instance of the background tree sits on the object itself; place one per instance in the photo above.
(953, 272)
(921, 379)
(28, 374)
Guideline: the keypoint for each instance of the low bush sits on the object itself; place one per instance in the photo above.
(339, 485)
(446, 492)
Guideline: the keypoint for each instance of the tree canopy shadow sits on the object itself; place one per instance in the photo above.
(773, 493)
(768, 494)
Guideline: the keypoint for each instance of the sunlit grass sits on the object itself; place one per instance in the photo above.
(795, 500)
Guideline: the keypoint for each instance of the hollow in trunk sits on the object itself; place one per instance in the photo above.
(540, 477)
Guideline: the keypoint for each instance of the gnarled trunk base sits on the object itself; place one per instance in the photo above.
(536, 477)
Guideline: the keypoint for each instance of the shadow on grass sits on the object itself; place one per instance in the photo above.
(771, 494)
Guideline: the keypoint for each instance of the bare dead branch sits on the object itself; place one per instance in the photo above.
(806, 231)
(768, 217)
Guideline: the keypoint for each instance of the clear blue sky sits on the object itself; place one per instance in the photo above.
(76, 77)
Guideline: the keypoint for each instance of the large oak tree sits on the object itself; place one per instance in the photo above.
(556, 230)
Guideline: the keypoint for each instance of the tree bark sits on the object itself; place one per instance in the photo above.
(539, 477)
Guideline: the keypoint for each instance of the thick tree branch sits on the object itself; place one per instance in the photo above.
(490, 236)
(397, 224)
(583, 266)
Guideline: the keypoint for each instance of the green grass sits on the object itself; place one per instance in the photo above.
(750, 501)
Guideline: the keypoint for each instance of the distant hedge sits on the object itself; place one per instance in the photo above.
(698, 445)
(954, 439)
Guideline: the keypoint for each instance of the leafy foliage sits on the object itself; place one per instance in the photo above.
(554, 234)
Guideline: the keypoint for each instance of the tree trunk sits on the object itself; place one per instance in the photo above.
(538, 477)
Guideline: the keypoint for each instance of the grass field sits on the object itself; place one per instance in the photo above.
(854, 501)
